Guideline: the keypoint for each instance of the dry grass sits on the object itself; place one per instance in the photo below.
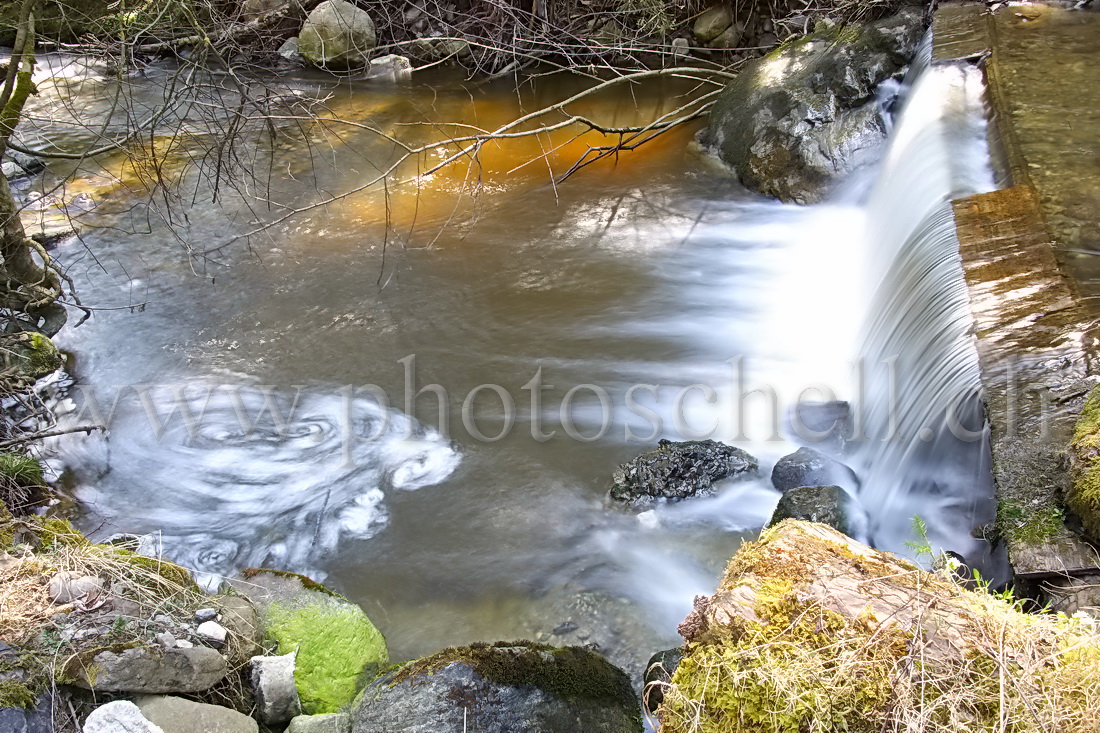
(25, 605)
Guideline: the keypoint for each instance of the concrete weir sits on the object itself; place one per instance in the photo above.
(1031, 254)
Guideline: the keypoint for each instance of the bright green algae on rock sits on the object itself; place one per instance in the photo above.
(338, 648)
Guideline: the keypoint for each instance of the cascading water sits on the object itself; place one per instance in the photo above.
(926, 453)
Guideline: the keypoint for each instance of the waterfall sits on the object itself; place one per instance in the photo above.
(926, 451)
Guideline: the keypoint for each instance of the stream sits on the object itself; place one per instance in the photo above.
(262, 400)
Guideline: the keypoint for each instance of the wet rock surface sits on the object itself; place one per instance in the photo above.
(677, 471)
(824, 504)
(795, 122)
(808, 467)
(502, 688)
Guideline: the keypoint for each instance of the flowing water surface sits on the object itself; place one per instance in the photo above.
(648, 295)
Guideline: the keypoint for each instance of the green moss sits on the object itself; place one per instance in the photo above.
(1083, 497)
(16, 695)
(34, 355)
(1018, 523)
(570, 673)
(53, 532)
(7, 528)
(171, 572)
(338, 650)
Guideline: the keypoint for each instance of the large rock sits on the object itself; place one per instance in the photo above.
(808, 467)
(338, 648)
(120, 716)
(810, 630)
(176, 715)
(825, 504)
(677, 471)
(151, 669)
(502, 688)
(805, 116)
(338, 36)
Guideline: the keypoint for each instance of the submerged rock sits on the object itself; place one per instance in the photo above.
(677, 471)
(658, 674)
(337, 35)
(805, 116)
(338, 648)
(808, 467)
(502, 688)
(824, 504)
(811, 630)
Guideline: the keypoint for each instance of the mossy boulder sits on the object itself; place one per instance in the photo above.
(502, 688)
(1083, 497)
(338, 649)
(677, 471)
(811, 630)
(32, 356)
(794, 123)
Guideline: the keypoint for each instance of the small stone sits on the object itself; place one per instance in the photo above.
(680, 47)
(166, 640)
(275, 689)
(289, 50)
(120, 716)
(184, 644)
(212, 632)
(392, 68)
(68, 586)
(330, 723)
(206, 614)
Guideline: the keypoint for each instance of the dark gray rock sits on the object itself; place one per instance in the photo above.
(808, 467)
(824, 504)
(502, 688)
(677, 471)
(38, 719)
(658, 673)
(805, 116)
(150, 669)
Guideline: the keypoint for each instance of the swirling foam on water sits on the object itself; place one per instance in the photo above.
(252, 477)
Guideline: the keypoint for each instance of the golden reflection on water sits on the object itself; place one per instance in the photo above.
(483, 177)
